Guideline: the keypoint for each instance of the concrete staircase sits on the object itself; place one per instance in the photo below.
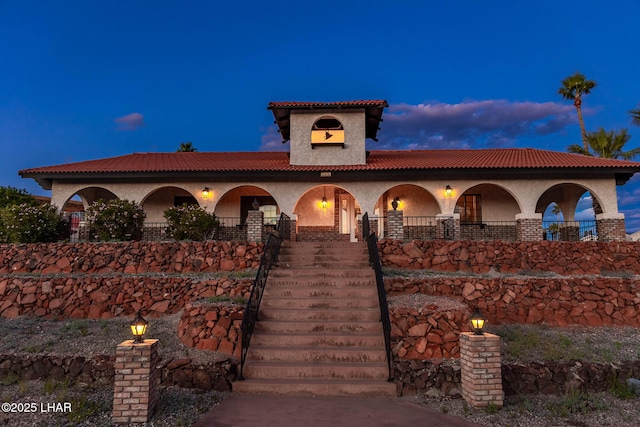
(319, 330)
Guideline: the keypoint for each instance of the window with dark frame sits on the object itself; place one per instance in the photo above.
(469, 206)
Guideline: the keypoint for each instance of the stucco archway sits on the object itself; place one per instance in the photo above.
(575, 222)
(161, 199)
(327, 212)
(487, 212)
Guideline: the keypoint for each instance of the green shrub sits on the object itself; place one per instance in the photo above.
(116, 219)
(10, 196)
(26, 223)
(190, 222)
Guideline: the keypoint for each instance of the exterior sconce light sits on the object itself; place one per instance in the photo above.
(324, 202)
(478, 321)
(448, 191)
(205, 193)
(138, 328)
(395, 203)
(255, 205)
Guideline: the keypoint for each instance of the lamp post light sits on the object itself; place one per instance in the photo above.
(478, 321)
(138, 328)
(256, 204)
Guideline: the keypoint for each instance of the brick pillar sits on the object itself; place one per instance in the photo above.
(481, 369)
(255, 219)
(135, 390)
(395, 229)
(611, 227)
(448, 226)
(529, 227)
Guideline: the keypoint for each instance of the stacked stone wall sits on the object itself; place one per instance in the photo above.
(564, 258)
(210, 326)
(426, 333)
(129, 257)
(107, 296)
(99, 369)
(557, 301)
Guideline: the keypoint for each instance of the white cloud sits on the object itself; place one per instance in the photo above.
(491, 123)
(131, 121)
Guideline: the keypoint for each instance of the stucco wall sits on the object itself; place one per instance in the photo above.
(353, 152)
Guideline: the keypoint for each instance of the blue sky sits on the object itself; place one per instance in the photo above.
(82, 80)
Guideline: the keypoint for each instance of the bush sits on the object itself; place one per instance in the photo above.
(116, 219)
(25, 223)
(10, 196)
(190, 222)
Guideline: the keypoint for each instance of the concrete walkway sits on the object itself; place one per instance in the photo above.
(244, 410)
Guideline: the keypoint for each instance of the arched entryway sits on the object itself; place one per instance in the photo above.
(161, 199)
(232, 210)
(487, 212)
(327, 212)
(569, 213)
(419, 208)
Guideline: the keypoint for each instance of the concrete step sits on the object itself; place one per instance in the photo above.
(323, 245)
(317, 326)
(352, 292)
(333, 314)
(317, 354)
(274, 301)
(289, 369)
(315, 272)
(318, 339)
(323, 258)
(317, 387)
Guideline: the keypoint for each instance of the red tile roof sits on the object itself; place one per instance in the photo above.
(339, 104)
(509, 158)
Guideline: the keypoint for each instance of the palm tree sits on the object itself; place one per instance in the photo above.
(635, 116)
(186, 147)
(573, 88)
(607, 144)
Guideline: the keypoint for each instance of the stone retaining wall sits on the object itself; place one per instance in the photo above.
(437, 379)
(586, 301)
(432, 378)
(212, 326)
(565, 258)
(428, 333)
(129, 257)
(100, 370)
(96, 296)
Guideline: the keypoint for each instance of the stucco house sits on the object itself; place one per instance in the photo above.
(328, 180)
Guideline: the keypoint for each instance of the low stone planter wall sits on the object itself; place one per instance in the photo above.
(96, 297)
(100, 369)
(212, 326)
(565, 258)
(129, 257)
(437, 379)
(583, 301)
(427, 333)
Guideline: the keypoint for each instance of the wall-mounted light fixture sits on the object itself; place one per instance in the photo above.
(448, 191)
(395, 203)
(206, 193)
(478, 321)
(138, 328)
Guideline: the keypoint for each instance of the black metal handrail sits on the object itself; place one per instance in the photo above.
(268, 259)
(374, 261)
